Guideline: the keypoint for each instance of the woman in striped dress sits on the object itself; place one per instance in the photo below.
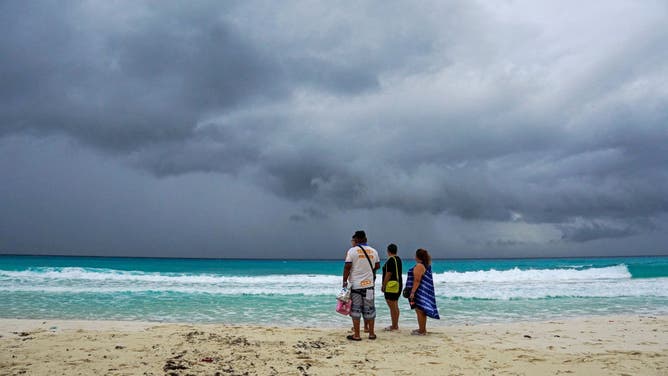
(422, 297)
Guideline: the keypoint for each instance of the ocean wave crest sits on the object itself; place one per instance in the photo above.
(102, 275)
(536, 275)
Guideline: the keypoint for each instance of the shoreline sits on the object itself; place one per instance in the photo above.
(597, 345)
(138, 325)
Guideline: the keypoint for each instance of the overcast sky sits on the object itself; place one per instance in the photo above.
(278, 128)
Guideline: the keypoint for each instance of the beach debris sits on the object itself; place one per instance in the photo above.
(527, 336)
(179, 355)
(317, 344)
(240, 341)
(208, 359)
(190, 336)
(119, 347)
(230, 370)
(303, 369)
(196, 336)
(174, 364)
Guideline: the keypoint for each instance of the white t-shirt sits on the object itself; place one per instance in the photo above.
(361, 274)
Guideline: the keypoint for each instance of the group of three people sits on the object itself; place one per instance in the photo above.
(359, 274)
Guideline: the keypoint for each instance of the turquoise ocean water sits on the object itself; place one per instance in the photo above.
(302, 293)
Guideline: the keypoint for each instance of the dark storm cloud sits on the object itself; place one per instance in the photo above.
(122, 83)
(583, 232)
(486, 113)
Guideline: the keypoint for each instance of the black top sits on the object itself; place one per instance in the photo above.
(389, 267)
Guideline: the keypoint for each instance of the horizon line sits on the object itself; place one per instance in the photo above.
(320, 259)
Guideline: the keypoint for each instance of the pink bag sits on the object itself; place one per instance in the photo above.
(343, 307)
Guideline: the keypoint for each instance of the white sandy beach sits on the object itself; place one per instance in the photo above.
(630, 345)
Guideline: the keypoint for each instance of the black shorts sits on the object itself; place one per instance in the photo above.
(393, 296)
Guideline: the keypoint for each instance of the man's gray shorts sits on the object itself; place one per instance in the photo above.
(363, 304)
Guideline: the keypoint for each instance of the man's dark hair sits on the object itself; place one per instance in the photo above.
(360, 236)
(392, 248)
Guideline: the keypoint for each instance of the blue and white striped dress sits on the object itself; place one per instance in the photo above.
(425, 297)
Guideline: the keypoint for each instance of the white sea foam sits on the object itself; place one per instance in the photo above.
(546, 275)
(103, 275)
(488, 284)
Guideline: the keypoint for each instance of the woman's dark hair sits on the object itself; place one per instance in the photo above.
(392, 248)
(422, 255)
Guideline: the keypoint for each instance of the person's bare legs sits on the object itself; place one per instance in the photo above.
(393, 305)
(372, 333)
(366, 327)
(356, 328)
(422, 321)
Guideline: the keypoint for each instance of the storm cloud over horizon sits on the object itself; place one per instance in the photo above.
(264, 129)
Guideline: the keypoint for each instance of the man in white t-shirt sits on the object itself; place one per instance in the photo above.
(359, 275)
